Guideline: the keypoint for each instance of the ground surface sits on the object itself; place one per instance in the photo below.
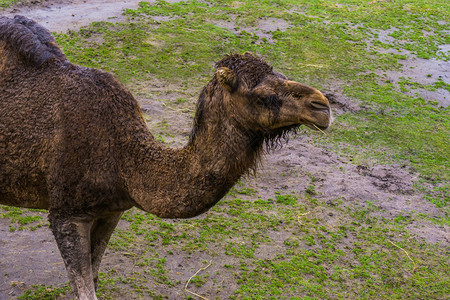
(320, 219)
(61, 16)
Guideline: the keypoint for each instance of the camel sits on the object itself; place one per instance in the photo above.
(73, 141)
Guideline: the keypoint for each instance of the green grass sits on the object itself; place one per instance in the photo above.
(8, 3)
(40, 292)
(21, 218)
(411, 128)
(361, 256)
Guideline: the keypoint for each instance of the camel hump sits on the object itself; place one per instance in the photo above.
(30, 40)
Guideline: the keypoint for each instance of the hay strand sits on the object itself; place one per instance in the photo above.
(323, 132)
(190, 278)
(414, 264)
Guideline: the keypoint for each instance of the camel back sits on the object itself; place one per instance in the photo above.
(32, 42)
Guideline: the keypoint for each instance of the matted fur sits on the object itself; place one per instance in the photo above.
(248, 68)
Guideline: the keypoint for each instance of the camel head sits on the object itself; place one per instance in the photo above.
(268, 102)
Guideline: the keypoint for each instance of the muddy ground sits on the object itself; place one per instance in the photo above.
(31, 257)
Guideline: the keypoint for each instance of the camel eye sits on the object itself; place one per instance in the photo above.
(298, 96)
(270, 101)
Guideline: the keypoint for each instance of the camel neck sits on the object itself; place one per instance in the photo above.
(182, 183)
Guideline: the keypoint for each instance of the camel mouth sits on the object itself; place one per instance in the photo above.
(317, 127)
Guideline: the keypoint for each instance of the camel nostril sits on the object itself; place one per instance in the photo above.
(320, 106)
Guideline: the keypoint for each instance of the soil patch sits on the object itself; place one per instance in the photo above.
(263, 30)
(61, 16)
(340, 104)
(416, 70)
(425, 72)
(28, 257)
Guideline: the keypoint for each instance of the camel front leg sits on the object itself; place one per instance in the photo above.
(72, 234)
(101, 232)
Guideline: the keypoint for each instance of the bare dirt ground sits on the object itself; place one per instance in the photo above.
(61, 15)
(31, 257)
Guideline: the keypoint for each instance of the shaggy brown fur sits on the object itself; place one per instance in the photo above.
(73, 141)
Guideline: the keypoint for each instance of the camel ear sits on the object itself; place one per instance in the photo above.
(227, 79)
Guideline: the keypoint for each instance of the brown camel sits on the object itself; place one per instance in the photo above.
(73, 141)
